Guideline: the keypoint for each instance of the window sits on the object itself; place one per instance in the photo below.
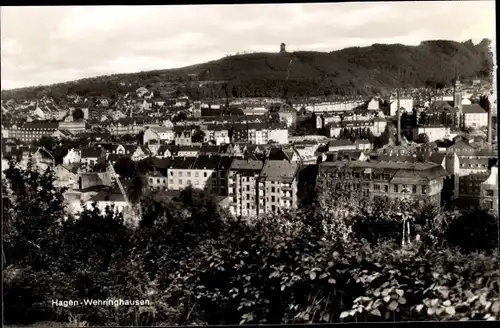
(273, 198)
(248, 196)
(386, 188)
(414, 189)
(424, 190)
(489, 193)
(196, 174)
(157, 180)
(396, 188)
(180, 181)
(180, 174)
(205, 174)
(248, 188)
(376, 187)
(188, 174)
(151, 180)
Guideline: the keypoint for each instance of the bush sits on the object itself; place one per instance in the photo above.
(198, 265)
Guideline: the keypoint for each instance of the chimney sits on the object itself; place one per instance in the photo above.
(489, 103)
(398, 134)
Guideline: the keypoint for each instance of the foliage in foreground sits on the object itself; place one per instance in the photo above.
(196, 265)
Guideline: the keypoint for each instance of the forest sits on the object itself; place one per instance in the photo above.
(350, 71)
(332, 260)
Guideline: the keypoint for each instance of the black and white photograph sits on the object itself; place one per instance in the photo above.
(249, 164)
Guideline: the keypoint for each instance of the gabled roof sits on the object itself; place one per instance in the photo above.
(473, 109)
(92, 152)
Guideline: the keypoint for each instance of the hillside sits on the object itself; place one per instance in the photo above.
(348, 71)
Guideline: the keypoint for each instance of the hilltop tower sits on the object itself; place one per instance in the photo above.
(457, 95)
(282, 48)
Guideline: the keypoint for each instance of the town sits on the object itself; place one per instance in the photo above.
(256, 154)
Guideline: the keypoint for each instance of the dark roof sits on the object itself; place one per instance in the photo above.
(189, 148)
(162, 163)
(92, 152)
(416, 172)
(207, 162)
(225, 163)
(472, 109)
(41, 125)
(279, 171)
(209, 149)
(337, 143)
(183, 163)
(241, 164)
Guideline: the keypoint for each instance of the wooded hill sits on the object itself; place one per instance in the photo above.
(356, 70)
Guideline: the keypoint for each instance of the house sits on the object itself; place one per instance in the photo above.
(288, 154)
(434, 132)
(474, 116)
(67, 176)
(73, 156)
(333, 130)
(188, 151)
(166, 151)
(362, 144)
(140, 153)
(62, 134)
(489, 191)
(182, 137)
(157, 181)
(242, 184)
(43, 158)
(278, 134)
(110, 199)
(160, 134)
(180, 173)
(405, 104)
(75, 127)
(32, 131)
(379, 179)
(277, 186)
(336, 145)
(91, 156)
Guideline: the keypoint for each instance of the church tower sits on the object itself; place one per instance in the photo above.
(457, 95)
(282, 48)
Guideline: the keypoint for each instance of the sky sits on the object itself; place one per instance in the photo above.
(45, 45)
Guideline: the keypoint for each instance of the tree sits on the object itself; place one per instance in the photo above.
(423, 138)
(198, 135)
(47, 142)
(126, 167)
(78, 114)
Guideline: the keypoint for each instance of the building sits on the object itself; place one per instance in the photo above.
(434, 132)
(474, 116)
(405, 104)
(242, 184)
(74, 127)
(489, 191)
(32, 131)
(91, 156)
(180, 174)
(157, 181)
(278, 134)
(73, 156)
(376, 179)
(160, 134)
(277, 186)
(188, 151)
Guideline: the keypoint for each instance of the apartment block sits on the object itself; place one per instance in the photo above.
(242, 183)
(277, 186)
(375, 179)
